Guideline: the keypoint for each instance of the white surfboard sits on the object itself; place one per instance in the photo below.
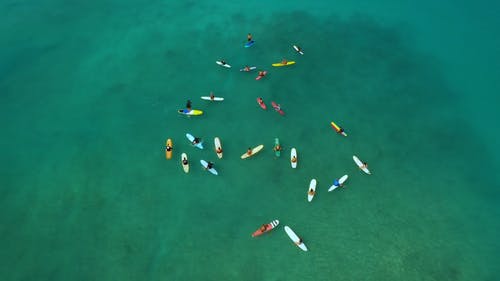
(215, 98)
(211, 170)
(191, 139)
(221, 64)
(311, 190)
(185, 167)
(254, 151)
(218, 145)
(293, 153)
(360, 164)
(341, 182)
(295, 238)
(297, 49)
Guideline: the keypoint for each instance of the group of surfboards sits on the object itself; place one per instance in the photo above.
(209, 166)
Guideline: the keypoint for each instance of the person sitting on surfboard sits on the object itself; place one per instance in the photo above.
(249, 151)
(260, 100)
(337, 183)
(223, 62)
(184, 161)
(341, 130)
(218, 150)
(168, 148)
(209, 165)
(294, 159)
(277, 148)
(249, 37)
(262, 73)
(284, 61)
(263, 227)
(299, 49)
(311, 192)
(298, 242)
(196, 141)
(278, 107)
(365, 165)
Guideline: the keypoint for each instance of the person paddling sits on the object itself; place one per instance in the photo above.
(249, 37)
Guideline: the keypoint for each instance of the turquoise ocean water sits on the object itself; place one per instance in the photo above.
(89, 92)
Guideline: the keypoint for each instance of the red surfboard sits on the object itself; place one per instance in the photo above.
(265, 228)
(277, 108)
(260, 101)
(259, 77)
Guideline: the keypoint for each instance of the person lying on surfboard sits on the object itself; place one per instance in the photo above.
(277, 147)
(260, 100)
(223, 62)
(299, 49)
(168, 148)
(263, 227)
(249, 37)
(262, 73)
(246, 68)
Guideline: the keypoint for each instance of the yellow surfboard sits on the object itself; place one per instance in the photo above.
(338, 129)
(254, 151)
(282, 64)
(192, 112)
(168, 153)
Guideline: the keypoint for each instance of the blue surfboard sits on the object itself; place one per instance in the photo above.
(249, 44)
